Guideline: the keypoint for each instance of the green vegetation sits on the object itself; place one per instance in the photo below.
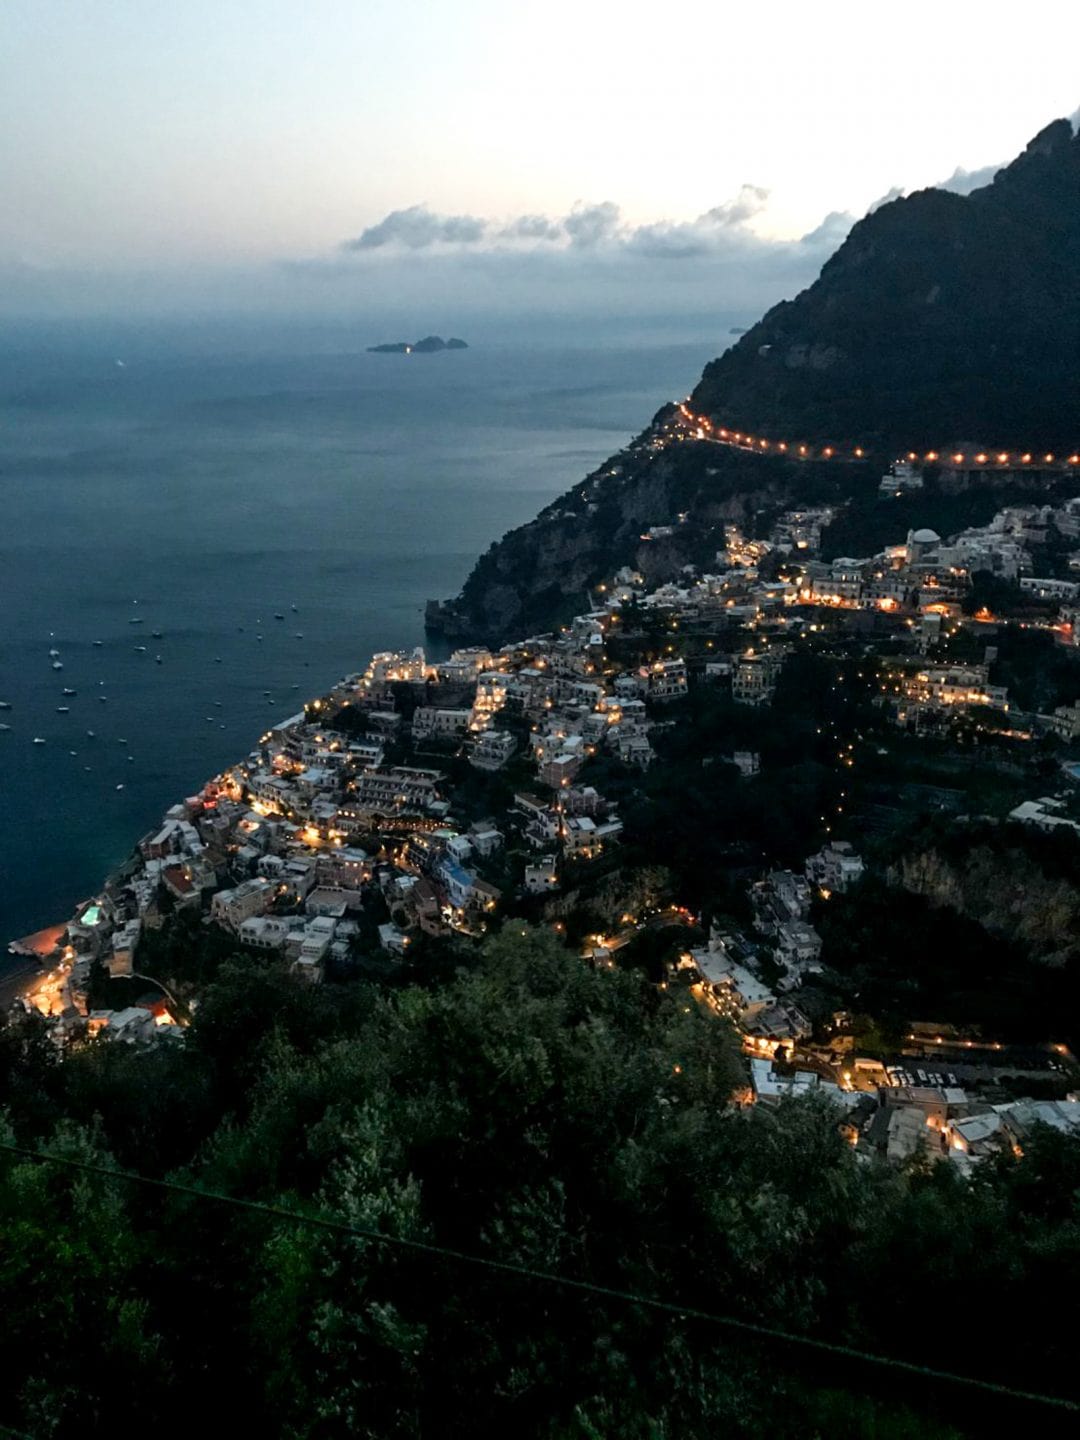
(530, 1110)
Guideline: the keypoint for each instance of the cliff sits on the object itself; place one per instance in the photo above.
(539, 575)
(941, 318)
(1018, 884)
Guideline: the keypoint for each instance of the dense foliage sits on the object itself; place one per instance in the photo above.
(530, 1109)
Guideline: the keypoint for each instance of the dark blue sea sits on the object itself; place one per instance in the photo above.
(201, 482)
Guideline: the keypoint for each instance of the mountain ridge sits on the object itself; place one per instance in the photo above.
(942, 319)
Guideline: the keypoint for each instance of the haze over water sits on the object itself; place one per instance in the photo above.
(217, 481)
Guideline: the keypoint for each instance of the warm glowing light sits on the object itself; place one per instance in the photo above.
(931, 455)
(1003, 457)
(958, 459)
(858, 452)
(980, 459)
(1026, 459)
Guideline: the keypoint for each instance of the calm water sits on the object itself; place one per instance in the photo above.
(213, 488)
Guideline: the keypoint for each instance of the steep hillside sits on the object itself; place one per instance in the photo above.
(941, 319)
(539, 574)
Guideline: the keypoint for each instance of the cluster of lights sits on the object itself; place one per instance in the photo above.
(705, 429)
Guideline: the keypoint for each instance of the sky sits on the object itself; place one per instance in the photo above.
(468, 153)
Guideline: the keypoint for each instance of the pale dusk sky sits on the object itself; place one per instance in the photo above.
(142, 136)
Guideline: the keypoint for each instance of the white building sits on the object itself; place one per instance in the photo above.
(231, 908)
(834, 868)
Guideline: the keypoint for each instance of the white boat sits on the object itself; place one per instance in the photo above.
(5, 728)
(54, 653)
(99, 642)
(56, 665)
(63, 709)
(140, 649)
(103, 698)
(38, 740)
(135, 620)
(120, 786)
(157, 660)
(90, 733)
(67, 691)
(5, 704)
(120, 740)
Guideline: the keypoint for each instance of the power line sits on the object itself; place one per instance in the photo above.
(548, 1277)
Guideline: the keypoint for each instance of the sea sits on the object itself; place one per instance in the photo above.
(195, 482)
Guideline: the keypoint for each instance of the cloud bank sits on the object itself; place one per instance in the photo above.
(598, 227)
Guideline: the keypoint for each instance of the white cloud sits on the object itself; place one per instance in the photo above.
(594, 227)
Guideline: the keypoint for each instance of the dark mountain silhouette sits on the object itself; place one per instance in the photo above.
(941, 317)
(943, 320)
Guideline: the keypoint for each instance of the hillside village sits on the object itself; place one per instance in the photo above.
(420, 802)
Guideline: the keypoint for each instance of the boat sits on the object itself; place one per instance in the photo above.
(278, 616)
(38, 740)
(299, 635)
(54, 653)
(103, 698)
(217, 659)
(73, 752)
(5, 704)
(136, 620)
(67, 691)
(140, 649)
(63, 709)
(99, 642)
(155, 634)
(217, 704)
(90, 733)
(131, 759)
(120, 740)
(56, 665)
(268, 692)
(293, 608)
(5, 728)
(120, 786)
